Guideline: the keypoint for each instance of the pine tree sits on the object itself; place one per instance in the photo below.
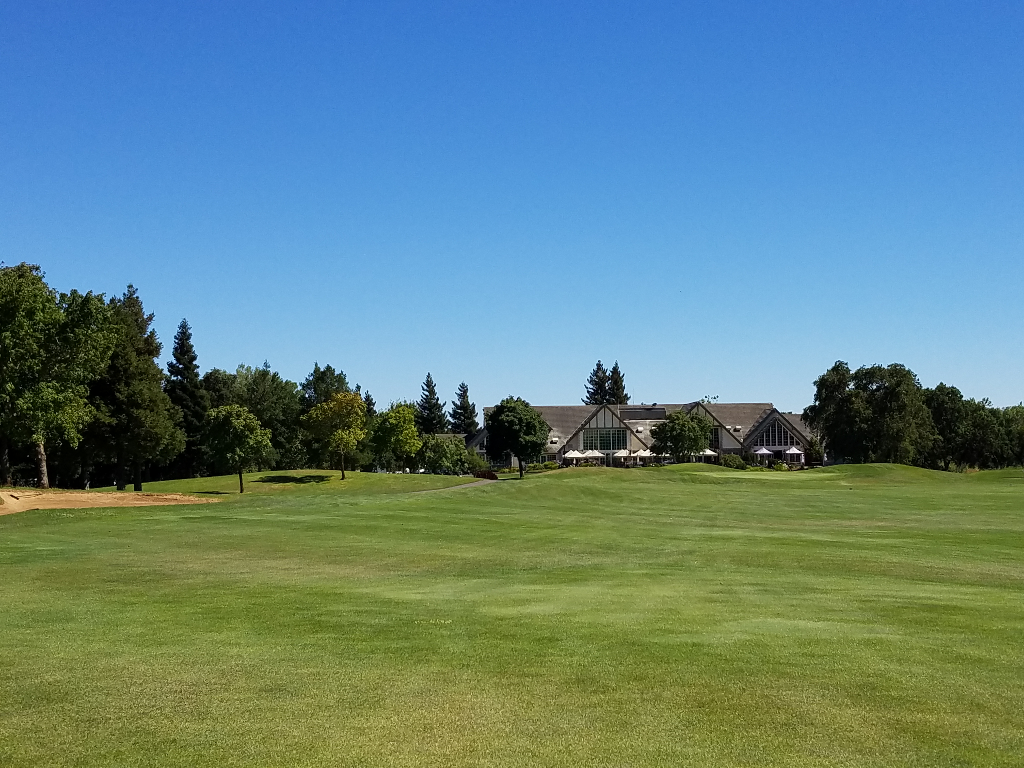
(185, 389)
(463, 415)
(617, 394)
(430, 416)
(321, 385)
(371, 405)
(597, 386)
(135, 420)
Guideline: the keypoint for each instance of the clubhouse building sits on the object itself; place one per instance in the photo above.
(620, 435)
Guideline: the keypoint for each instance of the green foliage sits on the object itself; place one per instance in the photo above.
(339, 423)
(780, 466)
(220, 387)
(136, 422)
(395, 440)
(597, 386)
(275, 402)
(874, 414)
(476, 463)
(236, 438)
(464, 415)
(617, 394)
(681, 435)
(732, 461)
(444, 455)
(51, 346)
(514, 427)
(430, 416)
(185, 390)
(321, 385)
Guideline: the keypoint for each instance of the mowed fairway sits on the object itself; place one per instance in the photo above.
(861, 616)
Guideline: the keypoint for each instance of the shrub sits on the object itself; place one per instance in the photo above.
(757, 468)
(780, 466)
(550, 465)
(535, 467)
(732, 461)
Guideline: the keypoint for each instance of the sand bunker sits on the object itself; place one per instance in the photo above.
(21, 501)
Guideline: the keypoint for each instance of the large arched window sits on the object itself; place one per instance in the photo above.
(775, 434)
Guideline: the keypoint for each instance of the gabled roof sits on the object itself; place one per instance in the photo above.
(742, 415)
(792, 421)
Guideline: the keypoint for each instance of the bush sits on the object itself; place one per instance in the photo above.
(476, 463)
(757, 468)
(732, 461)
(780, 466)
(550, 465)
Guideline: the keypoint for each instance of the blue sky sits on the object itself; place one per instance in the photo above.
(725, 197)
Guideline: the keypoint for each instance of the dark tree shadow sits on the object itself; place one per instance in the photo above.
(209, 493)
(295, 479)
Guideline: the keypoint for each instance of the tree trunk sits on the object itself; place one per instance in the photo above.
(241, 486)
(342, 465)
(5, 462)
(520, 467)
(44, 477)
(137, 471)
(119, 480)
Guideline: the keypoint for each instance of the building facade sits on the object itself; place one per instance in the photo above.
(620, 435)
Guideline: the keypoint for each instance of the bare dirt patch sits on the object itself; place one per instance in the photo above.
(22, 501)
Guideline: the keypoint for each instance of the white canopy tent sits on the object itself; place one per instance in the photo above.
(573, 455)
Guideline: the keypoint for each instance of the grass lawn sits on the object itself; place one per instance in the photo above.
(858, 616)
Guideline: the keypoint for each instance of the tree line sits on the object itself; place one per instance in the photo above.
(883, 414)
(84, 402)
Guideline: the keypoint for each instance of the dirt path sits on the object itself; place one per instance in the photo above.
(24, 500)
(459, 487)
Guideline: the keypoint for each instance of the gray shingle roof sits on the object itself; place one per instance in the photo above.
(742, 415)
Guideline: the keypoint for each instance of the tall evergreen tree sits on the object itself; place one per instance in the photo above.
(430, 416)
(371, 405)
(185, 389)
(617, 394)
(136, 421)
(463, 415)
(597, 386)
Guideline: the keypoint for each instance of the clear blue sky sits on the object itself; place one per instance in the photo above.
(725, 197)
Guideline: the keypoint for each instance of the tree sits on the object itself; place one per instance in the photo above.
(275, 402)
(681, 435)
(430, 416)
(185, 389)
(236, 438)
(617, 394)
(463, 415)
(444, 455)
(515, 427)
(340, 422)
(946, 406)
(394, 439)
(876, 413)
(321, 385)
(220, 387)
(51, 346)
(597, 386)
(136, 420)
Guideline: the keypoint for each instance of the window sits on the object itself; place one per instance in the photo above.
(775, 434)
(604, 440)
(715, 440)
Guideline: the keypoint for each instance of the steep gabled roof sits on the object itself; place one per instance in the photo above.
(742, 415)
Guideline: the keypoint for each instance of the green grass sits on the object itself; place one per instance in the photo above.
(860, 616)
(315, 482)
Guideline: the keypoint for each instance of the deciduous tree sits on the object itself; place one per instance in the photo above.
(681, 435)
(237, 439)
(395, 440)
(51, 346)
(515, 427)
(444, 455)
(340, 423)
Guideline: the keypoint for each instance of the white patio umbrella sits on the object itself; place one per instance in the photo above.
(762, 451)
(594, 454)
(708, 452)
(621, 454)
(573, 455)
(643, 453)
(794, 451)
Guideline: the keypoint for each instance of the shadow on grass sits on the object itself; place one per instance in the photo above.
(299, 479)
(210, 493)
